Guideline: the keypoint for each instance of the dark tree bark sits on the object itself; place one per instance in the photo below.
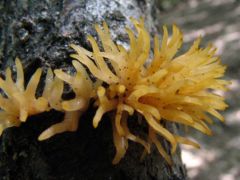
(39, 32)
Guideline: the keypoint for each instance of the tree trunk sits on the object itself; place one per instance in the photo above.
(39, 32)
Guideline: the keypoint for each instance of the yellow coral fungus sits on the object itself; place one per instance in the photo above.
(169, 88)
(18, 102)
(165, 88)
(82, 87)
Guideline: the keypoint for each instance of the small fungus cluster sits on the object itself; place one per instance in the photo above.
(166, 87)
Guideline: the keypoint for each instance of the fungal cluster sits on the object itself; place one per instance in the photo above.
(164, 88)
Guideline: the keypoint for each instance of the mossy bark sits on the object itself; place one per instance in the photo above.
(39, 32)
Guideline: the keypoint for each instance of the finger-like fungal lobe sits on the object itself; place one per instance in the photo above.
(167, 87)
(82, 87)
(18, 102)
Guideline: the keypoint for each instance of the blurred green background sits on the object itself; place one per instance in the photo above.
(165, 5)
(218, 22)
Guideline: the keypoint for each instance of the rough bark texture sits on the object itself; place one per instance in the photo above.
(39, 32)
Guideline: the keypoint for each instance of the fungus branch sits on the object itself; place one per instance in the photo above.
(19, 102)
(82, 87)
